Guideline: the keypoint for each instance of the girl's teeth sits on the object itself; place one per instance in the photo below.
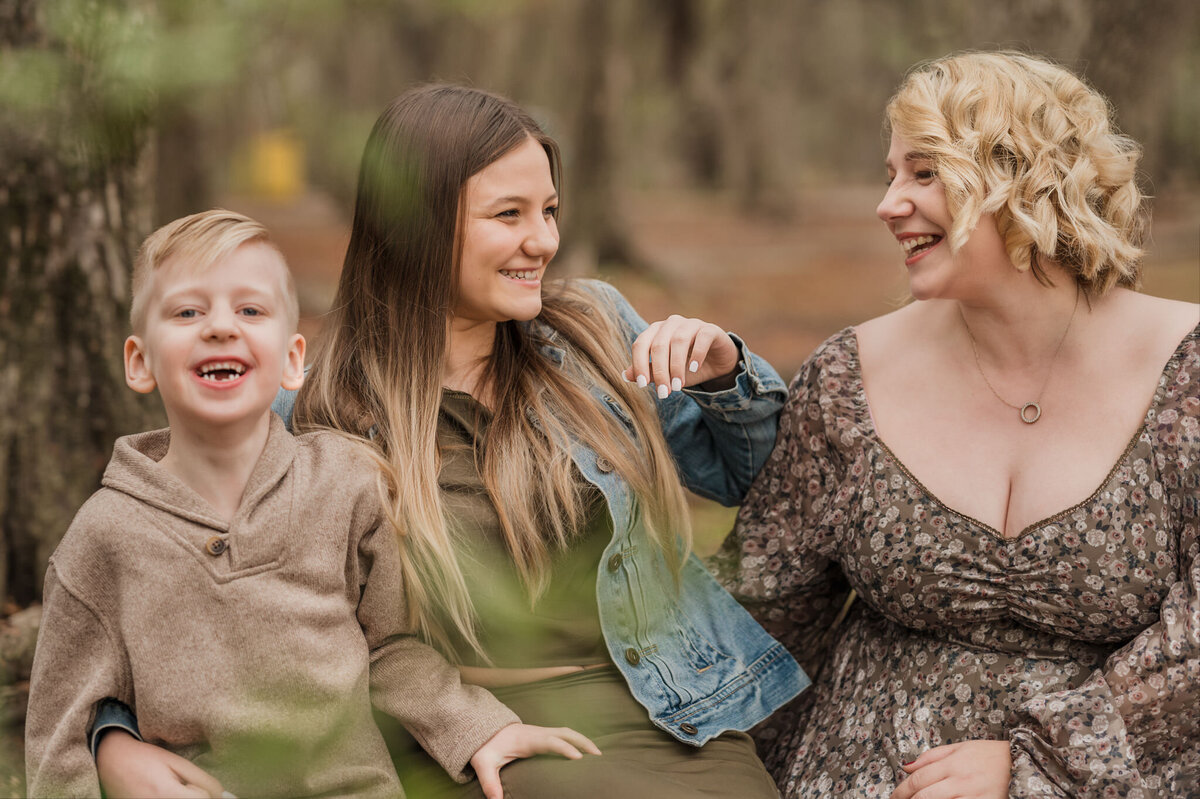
(530, 275)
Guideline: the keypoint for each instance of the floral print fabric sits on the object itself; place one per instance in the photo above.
(1078, 640)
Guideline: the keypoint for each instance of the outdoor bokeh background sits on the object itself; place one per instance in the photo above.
(723, 160)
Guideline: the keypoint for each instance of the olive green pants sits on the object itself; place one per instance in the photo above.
(638, 760)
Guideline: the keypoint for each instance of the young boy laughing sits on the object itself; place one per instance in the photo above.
(236, 585)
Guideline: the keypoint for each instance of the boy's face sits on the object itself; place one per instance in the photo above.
(217, 343)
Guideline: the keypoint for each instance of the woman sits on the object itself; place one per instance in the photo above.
(1004, 471)
(532, 477)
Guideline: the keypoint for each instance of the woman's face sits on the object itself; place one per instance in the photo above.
(917, 214)
(509, 236)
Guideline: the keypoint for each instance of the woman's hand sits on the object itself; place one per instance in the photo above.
(967, 770)
(131, 768)
(678, 352)
(524, 740)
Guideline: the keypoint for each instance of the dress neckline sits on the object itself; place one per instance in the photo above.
(1172, 366)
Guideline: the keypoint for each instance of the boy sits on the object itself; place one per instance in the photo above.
(219, 579)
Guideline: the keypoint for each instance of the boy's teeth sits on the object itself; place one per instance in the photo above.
(221, 370)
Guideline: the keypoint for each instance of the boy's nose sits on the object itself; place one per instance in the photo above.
(222, 323)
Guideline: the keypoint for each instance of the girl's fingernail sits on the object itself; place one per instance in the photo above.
(694, 366)
(663, 391)
(676, 384)
(642, 381)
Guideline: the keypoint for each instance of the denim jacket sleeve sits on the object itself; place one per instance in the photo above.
(719, 439)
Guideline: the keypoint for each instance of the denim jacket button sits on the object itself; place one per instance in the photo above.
(614, 562)
(603, 464)
(215, 545)
(632, 656)
(688, 729)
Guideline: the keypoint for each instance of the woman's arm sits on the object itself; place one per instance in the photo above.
(720, 438)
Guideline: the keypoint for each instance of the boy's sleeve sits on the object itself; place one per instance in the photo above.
(76, 664)
(412, 681)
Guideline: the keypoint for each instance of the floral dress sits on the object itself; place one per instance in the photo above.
(1078, 640)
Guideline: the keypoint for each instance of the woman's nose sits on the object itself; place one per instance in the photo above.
(542, 241)
(895, 204)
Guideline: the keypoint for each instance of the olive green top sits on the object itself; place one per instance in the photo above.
(563, 627)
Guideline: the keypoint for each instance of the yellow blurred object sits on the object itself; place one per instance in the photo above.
(276, 166)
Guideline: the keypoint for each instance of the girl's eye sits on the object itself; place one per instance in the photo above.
(552, 211)
(510, 213)
(890, 180)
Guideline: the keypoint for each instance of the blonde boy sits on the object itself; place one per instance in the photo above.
(218, 581)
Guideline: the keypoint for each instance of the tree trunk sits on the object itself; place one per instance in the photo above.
(72, 179)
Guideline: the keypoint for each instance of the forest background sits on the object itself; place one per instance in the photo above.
(723, 159)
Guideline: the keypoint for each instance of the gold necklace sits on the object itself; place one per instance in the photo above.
(1031, 411)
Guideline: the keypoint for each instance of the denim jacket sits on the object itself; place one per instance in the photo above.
(694, 658)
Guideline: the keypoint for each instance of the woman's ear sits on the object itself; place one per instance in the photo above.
(138, 374)
(293, 367)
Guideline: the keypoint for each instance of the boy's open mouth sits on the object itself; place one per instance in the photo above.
(221, 371)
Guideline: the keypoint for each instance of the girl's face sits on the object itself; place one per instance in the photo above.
(509, 235)
(917, 214)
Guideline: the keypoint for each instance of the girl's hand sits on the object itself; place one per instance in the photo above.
(131, 768)
(970, 770)
(678, 352)
(524, 740)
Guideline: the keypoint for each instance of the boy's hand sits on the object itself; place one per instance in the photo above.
(131, 768)
(524, 740)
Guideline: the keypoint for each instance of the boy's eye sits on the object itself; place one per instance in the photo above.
(187, 313)
(251, 312)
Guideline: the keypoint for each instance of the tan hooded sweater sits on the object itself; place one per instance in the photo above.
(253, 647)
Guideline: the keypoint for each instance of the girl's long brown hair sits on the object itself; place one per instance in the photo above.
(377, 372)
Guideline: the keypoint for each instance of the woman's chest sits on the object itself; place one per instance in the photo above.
(1097, 571)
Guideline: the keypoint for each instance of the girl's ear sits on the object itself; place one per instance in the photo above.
(138, 374)
(293, 367)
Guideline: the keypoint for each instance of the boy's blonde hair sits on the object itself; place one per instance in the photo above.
(199, 241)
(1026, 140)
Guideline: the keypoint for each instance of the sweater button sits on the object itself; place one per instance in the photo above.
(688, 729)
(614, 562)
(632, 656)
(216, 545)
(603, 464)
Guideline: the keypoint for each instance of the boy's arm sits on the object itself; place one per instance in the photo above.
(76, 664)
(409, 679)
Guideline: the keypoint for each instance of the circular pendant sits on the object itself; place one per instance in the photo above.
(1026, 416)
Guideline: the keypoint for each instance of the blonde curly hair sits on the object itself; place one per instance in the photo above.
(1018, 137)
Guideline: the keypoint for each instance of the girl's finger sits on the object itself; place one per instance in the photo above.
(641, 354)
(660, 356)
(681, 345)
(700, 347)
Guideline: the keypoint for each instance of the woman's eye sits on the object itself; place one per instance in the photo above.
(925, 175)
(509, 213)
(552, 211)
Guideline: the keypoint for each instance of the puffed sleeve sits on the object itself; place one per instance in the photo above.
(1133, 728)
(77, 663)
(410, 680)
(778, 561)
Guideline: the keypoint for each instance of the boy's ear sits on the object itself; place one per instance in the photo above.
(137, 368)
(293, 367)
